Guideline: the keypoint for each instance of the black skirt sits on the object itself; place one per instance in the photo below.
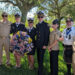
(32, 52)
(68, 52)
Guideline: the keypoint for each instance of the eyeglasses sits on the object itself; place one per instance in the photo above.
(40, 16)
(4, 16)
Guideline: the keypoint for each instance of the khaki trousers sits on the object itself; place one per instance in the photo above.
(4, 43)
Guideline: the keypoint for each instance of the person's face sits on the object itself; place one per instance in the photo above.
(18, 19)
(4, 17)
(68, 24)
(30, 24)
(24, 33)
(55, 26)
(40, 18)
(72, 23)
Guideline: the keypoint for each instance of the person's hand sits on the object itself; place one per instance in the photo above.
(11, 41)
(44, 47)
(49, 49)
(61, 39)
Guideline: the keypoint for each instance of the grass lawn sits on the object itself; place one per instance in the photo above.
(4, 70)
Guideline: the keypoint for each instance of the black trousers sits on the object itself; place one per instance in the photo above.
(54, 62)
(40, 57)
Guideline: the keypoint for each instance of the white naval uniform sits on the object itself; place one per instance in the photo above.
(73, 57)
(66, 40)
(68, 36)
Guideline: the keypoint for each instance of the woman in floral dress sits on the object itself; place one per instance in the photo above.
(20, 44)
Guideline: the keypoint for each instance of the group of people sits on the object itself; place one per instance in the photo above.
(42, 38)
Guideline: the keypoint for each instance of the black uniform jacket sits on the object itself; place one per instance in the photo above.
(14, 28)
(32, 34)
(42, 34)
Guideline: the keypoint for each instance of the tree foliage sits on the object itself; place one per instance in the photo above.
(57, 8)
(23, 5)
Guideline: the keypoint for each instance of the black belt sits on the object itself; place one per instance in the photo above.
(3, 37)
(67, 45)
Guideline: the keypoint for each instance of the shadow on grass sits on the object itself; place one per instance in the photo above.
(24, 70)
(4, 70)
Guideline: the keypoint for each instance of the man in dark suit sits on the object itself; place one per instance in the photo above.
(42, 38)
(17, 26)
(32, 32)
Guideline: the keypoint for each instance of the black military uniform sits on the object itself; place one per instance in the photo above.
(32, 33)
(17, 26)
(42, 37)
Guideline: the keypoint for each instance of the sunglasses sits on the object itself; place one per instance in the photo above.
(40, 16)
(4, 16)
(30, 22)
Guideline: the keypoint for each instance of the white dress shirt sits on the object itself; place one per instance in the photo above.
(68, 39)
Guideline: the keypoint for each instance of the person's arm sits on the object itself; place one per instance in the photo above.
(53, 40)
(61, 39)
(46, 35)
(52, 45)
(11, 29)
(60, 36)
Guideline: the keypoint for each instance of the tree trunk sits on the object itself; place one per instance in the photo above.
(24, 15)
(58, 16)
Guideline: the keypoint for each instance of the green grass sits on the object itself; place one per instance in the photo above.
(4, 70)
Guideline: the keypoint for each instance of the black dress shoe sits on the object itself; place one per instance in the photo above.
(68, 73)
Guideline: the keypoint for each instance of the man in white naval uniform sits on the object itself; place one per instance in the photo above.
(68, 35)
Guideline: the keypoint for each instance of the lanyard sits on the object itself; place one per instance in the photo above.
(68, 31)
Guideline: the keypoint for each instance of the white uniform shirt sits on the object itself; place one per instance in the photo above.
(17, 24)
(30, 29)
(68, 39)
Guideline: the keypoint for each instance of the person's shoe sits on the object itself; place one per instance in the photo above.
(9, 65)
(17, 67)
(68, 73)
(31, 68)
(0, 64)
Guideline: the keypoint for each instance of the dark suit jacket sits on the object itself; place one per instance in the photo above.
(42, 34)
(14, 28)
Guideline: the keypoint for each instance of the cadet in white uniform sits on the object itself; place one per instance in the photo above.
(73, 57)
(68, 35)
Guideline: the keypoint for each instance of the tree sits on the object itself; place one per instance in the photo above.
(23, 5)
(56, 8)
(70, 10)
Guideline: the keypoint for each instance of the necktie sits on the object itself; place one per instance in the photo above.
(17, 25)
